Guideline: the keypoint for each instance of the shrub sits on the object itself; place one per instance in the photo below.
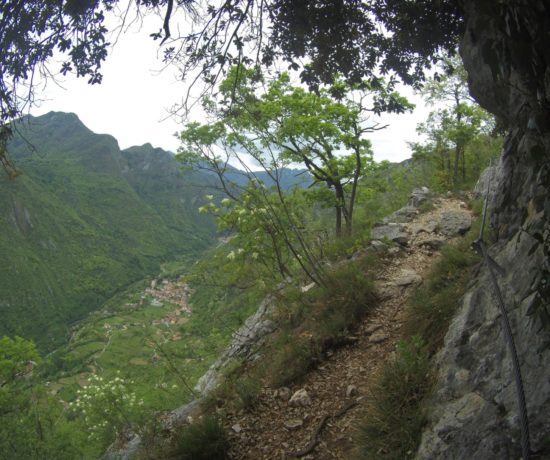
(292, 358)
(109, 408)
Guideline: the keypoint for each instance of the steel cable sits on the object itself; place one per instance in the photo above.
(479, 245)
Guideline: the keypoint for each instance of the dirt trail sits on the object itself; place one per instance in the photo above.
(275, 429)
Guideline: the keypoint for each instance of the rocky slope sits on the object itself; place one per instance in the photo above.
(474, 412)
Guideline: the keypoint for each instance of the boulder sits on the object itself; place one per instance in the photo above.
(372, 328)
(293, 424)
(403, 215)
(378, 245)
(378, 337)
(418, 196)
(283, 393)
(423, 227)
(453, 223)
(432, 243)
(392, 231)
(237, 428)
(351, 391)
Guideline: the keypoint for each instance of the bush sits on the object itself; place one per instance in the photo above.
(394, 419)
(204, 439)
(292, 358)
(109, 409)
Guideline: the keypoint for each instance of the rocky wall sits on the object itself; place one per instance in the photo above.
(474, 409)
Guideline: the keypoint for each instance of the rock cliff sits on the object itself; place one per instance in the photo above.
(474, 411)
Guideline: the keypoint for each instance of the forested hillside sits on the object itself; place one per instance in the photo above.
(85, 219)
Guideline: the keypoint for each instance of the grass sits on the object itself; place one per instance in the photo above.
(432, 306)
(394, 421)
(248, 391)
(310, 323)
(426, 206)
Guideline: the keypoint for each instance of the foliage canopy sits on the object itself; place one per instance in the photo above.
(333, 37)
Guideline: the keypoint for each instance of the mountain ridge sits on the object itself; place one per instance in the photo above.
(82, 222)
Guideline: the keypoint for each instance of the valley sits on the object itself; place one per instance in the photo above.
(133, 334)
(84, 221)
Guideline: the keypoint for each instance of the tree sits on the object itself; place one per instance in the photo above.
(454, 126)
(268, 225)
(285, 124)
(32, 423)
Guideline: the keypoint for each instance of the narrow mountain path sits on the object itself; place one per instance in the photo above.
(322, 428)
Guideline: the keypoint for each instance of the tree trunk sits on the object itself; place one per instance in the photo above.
(459, 147)
(341, 210)
(463, 166)
(455, 167)
(338, 221)
(353, 195)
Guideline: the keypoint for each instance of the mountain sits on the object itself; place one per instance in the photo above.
(288, 177)
(85, 220)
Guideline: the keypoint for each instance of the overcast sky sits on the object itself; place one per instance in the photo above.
(133, 100)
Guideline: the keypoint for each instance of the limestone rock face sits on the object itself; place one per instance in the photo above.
(246, 341)
(488, 183)
(474, 411)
